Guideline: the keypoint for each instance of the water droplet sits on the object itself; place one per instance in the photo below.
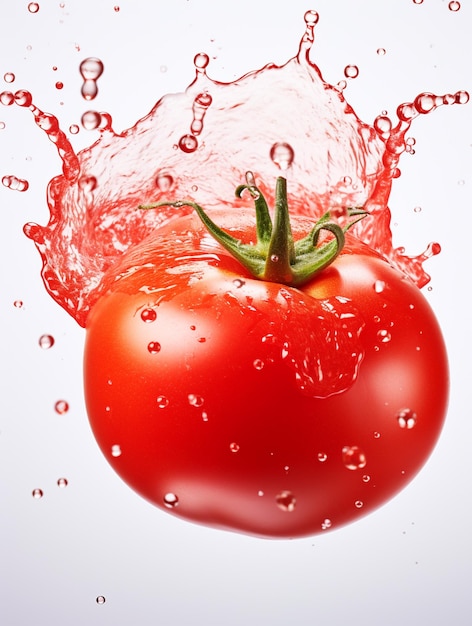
(282, 155)
(258, 364)
(37, 494)
(376, 435)
(170, 500)
(62, 482)
(454, 6)
(46, 342)
(162, 402)
(91, 120)
(204, 416)
(201, 61)
(322, 457)
(188, 143)
(116, 450)
(417, 1)
(311, 18)
(9, 77)
(351, 71)
(61, 407)
(326, 523)
(384, 336)
(234, 447)
(366, 478)
(100, 600)
(379, 286)
(238, 283)
(381, 52)
(148, 315)
(195, 400)
(406, 418)
(18, 304)
(358, 504)
(154, 347)
(274, 258)
(33, 7)
(74, 129)
(353, 457)
(59, 85)
(91, 69)
(14, 183)
(260, 493)
(116, 8)
(286, 501)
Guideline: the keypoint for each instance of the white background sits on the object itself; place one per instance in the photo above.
(408, 563)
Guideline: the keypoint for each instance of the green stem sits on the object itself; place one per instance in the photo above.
(275, 256)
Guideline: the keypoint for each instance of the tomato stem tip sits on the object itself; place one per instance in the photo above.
(275, 256)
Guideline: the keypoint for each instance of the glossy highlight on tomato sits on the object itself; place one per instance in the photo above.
(257, 407)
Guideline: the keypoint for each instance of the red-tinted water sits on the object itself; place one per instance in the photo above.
(198, 145)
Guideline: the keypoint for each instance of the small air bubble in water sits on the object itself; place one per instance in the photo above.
(164, 181)
(100, 600)
(188, 143)
(282, 155)
(37, 494)
(46, 342)
(74, 129)
(9, 77)
(62, 482)
(381, 52)
(286, 501)
(454, 6)
(33, 7)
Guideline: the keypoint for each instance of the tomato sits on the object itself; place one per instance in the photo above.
(254, 406)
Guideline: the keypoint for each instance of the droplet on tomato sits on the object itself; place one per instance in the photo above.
(258, 364)
(379, 286)
(46, 342)
(353, 457)
(61, 407)
(406, 418)
(234, 447)
(384, 336)
(148, 315)
(322, 457)
(154, 347)
(326, 523)
(366, 478)
(358, 504)
(195, 400)
(286, 501)
(162, 402)
(115, 450)
(37, 494)
(170, 500)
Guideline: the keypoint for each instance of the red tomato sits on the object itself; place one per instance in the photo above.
(256, 407)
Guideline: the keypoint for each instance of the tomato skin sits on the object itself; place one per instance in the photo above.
(202, 379)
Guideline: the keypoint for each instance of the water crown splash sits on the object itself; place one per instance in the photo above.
(198, 144)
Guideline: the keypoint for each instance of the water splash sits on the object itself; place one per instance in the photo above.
(199, 144)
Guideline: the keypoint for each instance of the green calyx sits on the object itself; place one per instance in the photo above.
(275, 256)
